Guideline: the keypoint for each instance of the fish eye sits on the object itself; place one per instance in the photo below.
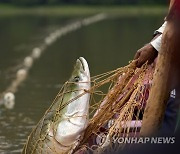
(76, 79)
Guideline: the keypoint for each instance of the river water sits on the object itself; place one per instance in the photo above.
(106, 45)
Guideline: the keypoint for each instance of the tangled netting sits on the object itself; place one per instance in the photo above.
(119, 110)
(117, 103)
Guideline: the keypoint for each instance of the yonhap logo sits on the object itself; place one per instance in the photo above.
(144, 140)
(100, 139)
(104, 139)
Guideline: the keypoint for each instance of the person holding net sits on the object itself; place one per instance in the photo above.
(149, 52)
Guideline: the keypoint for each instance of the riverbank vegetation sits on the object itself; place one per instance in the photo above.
(82, 10)
(93, 2)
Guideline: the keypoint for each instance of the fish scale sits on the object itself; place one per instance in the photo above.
(51, 134)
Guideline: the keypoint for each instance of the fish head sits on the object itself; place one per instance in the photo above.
(81, 74)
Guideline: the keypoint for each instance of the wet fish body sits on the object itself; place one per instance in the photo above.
(62, 126)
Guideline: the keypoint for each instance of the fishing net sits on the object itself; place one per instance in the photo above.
(117, 103)
(118, 111)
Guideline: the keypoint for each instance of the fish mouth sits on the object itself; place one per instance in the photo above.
(84, 64)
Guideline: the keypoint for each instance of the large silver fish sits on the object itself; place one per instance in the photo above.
(62, 126)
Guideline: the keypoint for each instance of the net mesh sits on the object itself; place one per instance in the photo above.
(119, 110)
(117, 103)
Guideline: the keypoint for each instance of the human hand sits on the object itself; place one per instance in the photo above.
(146, 53)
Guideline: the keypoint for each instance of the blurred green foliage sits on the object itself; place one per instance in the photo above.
(105, 2)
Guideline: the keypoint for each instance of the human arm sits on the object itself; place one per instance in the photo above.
(150, 51)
